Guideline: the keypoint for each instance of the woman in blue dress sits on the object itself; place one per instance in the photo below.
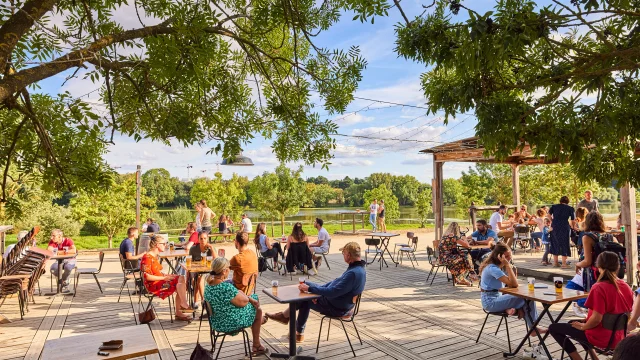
(561, 233)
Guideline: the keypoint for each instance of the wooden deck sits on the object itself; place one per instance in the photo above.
(401, 317)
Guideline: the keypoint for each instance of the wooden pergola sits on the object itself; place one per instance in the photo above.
(471, 150)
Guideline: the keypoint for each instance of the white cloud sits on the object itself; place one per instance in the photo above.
(351, 151)
(349, 163)
(353, 118)
(417, 159)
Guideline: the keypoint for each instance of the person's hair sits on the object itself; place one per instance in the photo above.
(218, 265)
(221, 218)
(382, 201)
(200, 234)
(546, 220)
(191, 226)
(609, 264)
(297, 232)
(482, 222)
(499, 249)
(153, 241)
(516, 216)
(57, 232)
(131, 230)
(260, 230)
(320, 221)
(627, 349)
(594, 222)
(581, 213)
(564, 200)
(245, 214)
(523, 206)
(453, 229)
(588, 191)
(502, 207)
(242, 238)
(151, 219)
(541, 212)
(203, 202)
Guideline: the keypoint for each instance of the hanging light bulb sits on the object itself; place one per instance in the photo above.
(238, 160)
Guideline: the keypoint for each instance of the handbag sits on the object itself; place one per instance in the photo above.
(200, 353)
(147, 316)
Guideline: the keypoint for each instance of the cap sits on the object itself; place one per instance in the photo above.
(352, 247)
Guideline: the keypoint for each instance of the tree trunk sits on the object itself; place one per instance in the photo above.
(282, 222)
(110, 237)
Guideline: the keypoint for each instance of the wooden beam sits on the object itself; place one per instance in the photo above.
(458, 155)
(515, 182)
(628, 218)
(438, 203)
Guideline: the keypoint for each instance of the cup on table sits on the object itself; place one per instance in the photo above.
(65, 248)
(55, 251)
(532, 283)
(188, 260)
(209, 260)
(172, 246)
(557, 282)
(301, 280)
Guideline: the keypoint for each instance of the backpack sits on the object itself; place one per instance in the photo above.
(604, 242)
(262, 264)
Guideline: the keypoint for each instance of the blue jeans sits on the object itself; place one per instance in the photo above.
(494, 302)
(573, 286)
(67, 267)
(545, 256)
(535, 238)
(372, 221)
(322, 306)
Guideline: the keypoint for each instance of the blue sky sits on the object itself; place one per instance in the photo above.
(387, 77)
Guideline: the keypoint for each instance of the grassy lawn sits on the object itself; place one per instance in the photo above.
(87, 242)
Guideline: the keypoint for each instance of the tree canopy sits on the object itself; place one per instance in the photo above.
(561, 77)
(227, 196)
(214, 73)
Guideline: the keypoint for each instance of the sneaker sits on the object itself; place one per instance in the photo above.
(539, 354)
(528, 353)
(196, 306)
(579, 311)
(313, 272)
(282, 262)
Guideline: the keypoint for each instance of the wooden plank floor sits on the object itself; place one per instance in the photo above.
(401, 317)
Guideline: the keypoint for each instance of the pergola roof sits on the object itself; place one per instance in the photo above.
(470, 150)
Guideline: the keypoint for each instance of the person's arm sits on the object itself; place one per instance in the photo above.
(234, 265)
(510, 279)
(268, 243)
(587, 243)
(51, 247)
(463, 243)
(635, 314)
(240, 300)
(72, 248)
(336, 288)
(592, 321)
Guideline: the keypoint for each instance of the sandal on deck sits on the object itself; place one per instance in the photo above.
(183, 318)
(259, 351)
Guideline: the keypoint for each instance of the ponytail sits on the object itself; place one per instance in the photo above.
(608, 263)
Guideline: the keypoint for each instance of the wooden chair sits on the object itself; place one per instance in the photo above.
(89, 271)
(410, 251)
(10, 286)
(432, 259)
(349, 318)
(375, 243)
(214, 334)
(612, 322)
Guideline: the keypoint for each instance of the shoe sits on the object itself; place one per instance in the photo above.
(539, 354)
(196, 306)
(319, 262)
(299, 338)
(278, 317)
(528, 353)
(282, 262)
(313, 272)
(580, 312)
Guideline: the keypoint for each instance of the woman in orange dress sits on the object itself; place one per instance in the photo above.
(163, 285)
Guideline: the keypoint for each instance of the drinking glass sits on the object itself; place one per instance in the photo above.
(557, 282)
(188, 261)
(532, 283)
(209, 259)
(66, 249)
(301, 280)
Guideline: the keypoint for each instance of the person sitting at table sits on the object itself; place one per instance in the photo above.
(337, 296)
(322, 245)
(232, 308)
(609, 296)
(538, 220)
(58, 242)
(163, 285)
(192, 235)
(268, 248)
(152, 226)
(495, 273)
(230, 223)
(222, 225)
(298, 253)
(483, 236)
(244, 264)
(523, 213)
(203, 248)
(501, 227)
(458, 263)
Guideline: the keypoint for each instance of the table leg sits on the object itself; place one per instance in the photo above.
(385, 243)
(533, 327)
(293, 351)
(60, 269)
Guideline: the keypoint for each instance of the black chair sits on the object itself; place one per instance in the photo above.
(143, 291)
(410, 251)
(613, 322)
(215, 334)
(349, 318)
(128, 269)
(503, 316)
(432, 259)
(89, 271)
(410, 236)
(273, 265)
(324, 254)
(375, 242)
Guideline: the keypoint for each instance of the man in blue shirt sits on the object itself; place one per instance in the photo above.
(337, 295)
(127, 249)
(482, 236)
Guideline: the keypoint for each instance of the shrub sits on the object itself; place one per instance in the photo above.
(48, 216)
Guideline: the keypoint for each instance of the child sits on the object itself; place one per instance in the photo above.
(545, 240)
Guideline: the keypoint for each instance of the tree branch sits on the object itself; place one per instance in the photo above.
(16, 135)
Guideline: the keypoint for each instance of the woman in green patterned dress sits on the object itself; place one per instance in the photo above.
(232, 309)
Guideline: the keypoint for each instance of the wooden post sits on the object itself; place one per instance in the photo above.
(628, 212)
(515, 180)
(438, 205)
(472, 211)
(271, 227)
(138, 188)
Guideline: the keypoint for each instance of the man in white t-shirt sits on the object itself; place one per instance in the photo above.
(322, 245)
(245, 224)
(501, 229)
(373, 213)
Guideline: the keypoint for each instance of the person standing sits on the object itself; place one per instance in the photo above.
(381, 213)
(373, 213)
(322, 245)
(222, 225)
(152, 226)
(58, 242)
(589, 202)
(562, 213)
(206, 214)
(245, 224)
(198, 212)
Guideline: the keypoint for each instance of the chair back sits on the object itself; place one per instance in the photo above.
(329, 245)
(410, 235)
(521, 231)
(372, 241)
(356, 308)
(615, 323)
(414, 243)
(436, 246)
(101, 257)
(252, 283)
